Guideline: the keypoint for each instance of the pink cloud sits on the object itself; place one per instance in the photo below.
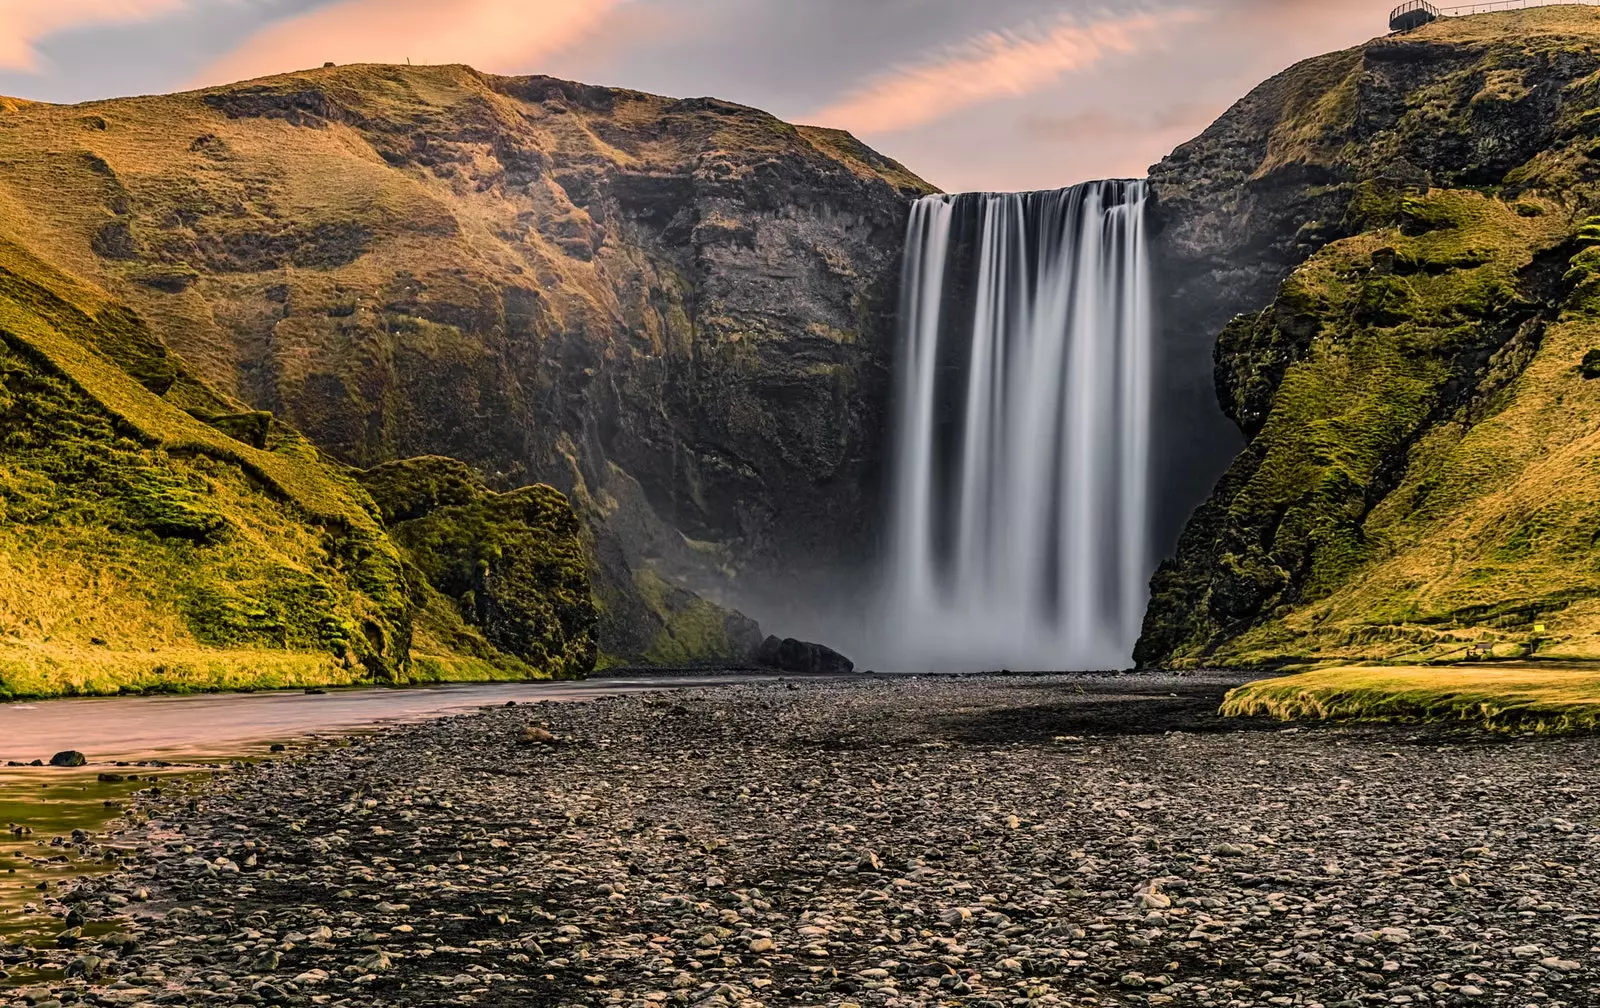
(507, 36)
(24, 22)
(992, 66)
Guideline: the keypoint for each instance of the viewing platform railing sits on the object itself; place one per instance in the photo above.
(1412, 15)
(1504, 5)
(1417, 13)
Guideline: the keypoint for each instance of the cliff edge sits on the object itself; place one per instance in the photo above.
(1403, 233)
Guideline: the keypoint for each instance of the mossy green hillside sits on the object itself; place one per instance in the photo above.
(1418, 484)
(127, 525)
(1505, 698)
(1416, 489)
(511, 564)
(144, 548)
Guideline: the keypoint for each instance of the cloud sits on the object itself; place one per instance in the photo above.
(994, 65)
(507, 36)
(1099, 125)
(25, 22)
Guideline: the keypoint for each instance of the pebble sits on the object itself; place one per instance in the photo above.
(964, 841)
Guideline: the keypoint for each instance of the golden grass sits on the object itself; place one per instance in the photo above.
(52, 588)
(1520, 26)
(52, 670)
(1501, 698)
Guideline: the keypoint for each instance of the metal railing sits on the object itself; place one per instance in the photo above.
(1417, 13)
(1412, 15)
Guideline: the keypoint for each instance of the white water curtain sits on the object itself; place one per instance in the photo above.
(1023, 431)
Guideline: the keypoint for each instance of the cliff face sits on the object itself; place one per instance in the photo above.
(676, 311)
(1406, 228)
(156, 534)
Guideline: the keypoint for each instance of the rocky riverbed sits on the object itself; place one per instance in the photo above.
(976, 841)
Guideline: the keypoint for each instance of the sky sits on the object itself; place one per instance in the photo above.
(969, 94)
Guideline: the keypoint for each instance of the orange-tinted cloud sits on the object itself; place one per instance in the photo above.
(24, 22)
(497, 35)
(992, 66)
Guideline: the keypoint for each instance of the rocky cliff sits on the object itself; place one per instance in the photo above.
(156, 534)
(677, 312)
(1405, 228)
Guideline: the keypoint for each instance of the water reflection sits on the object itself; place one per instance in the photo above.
(135, 743)
(206, 726)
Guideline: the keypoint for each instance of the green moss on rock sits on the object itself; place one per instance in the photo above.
(693, 630)
(512, 564)
(1374, 343)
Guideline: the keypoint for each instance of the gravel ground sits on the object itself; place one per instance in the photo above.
(976, 841)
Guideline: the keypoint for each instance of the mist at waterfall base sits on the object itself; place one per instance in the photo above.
(986, 566)
(1019, 500)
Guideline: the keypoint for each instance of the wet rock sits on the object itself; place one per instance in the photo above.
(69, 758)
(893, 844)
(790, 655)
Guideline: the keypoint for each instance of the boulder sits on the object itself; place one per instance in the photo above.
(790, 655)
(69, 758)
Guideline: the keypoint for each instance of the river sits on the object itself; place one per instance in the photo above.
(176, 741)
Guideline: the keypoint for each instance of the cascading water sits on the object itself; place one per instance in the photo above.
(1023, 442)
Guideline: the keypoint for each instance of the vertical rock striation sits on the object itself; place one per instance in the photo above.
(676, 311)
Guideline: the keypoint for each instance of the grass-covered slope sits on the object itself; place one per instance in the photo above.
(1502, 698)
(143, 548)
(1420, 482)
(549, 281)
(157, 535)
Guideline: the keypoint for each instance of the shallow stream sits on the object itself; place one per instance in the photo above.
(133, 743)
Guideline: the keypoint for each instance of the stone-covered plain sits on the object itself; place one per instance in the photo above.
(953, 841)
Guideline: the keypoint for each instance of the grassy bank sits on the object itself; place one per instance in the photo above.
(1497, 697)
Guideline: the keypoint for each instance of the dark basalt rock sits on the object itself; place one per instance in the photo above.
(1356, 145)
(790, 655)
(69, 758)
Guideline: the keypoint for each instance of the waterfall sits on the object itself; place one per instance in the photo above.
(1023, 431)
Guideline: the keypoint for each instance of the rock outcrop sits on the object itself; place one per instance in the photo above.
(676, 311)
(790, 655)
(155, 534)
(1405, 228)
(510, 566)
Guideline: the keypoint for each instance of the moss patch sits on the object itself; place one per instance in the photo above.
(1498, 698)
(512, 565)
(692, 629)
